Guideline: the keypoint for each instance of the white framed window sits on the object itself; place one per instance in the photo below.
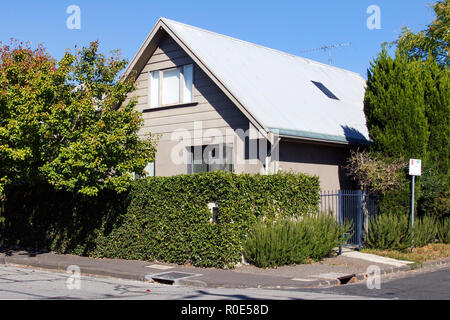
(170, 86)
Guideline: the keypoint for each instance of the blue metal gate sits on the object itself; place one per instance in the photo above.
(347, 206)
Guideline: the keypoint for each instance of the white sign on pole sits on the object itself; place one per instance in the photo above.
(415, 167)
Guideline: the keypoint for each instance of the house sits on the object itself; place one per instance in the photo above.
(222, 103)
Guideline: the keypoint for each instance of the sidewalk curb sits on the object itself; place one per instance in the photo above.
(92, 271)
(406, 268)
(87, 271)
(437, 262)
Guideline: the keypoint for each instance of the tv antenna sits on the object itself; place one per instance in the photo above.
(330, 48)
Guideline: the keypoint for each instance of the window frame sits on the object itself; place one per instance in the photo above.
(181, 86)
(225, 147)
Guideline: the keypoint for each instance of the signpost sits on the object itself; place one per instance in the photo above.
(415, 169)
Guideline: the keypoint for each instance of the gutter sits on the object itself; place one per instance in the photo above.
(317, 137)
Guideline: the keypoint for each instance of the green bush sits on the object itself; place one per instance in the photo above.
(162, 218)
(435, 194)
(443, 232)
(290, 241)
(388, 231)
(425, 231)
(393, 231)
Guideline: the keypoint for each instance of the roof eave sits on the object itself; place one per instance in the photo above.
(161, 25)
(137, 57)
(261, 128)
(317, 137)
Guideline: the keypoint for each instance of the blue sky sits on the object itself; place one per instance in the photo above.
(290, 26)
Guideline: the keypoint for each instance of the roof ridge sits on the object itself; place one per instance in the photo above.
(259, 46)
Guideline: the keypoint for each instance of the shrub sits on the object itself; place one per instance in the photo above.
(388, 231)
(393, 231)
(443, 230)
(435, 195)
(290, 241)
(162, 218)
(425, 231)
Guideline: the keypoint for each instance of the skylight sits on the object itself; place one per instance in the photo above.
(325, 90)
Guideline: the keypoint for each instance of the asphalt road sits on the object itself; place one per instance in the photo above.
(417, 285)
(26, 283)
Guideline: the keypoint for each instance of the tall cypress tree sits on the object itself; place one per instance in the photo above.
(437, 111)
(395, 110)
(435, 180)
(407, 107)
(395, 107)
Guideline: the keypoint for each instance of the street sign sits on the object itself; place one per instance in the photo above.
(415, 167)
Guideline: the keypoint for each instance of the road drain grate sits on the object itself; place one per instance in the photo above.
(346, 279)
(171, 277)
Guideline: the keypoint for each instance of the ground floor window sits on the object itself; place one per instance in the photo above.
(149, 171)
(211, 157)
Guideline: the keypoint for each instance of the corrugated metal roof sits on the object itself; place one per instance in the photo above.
(277, 88)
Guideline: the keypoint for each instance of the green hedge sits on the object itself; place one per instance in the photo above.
(291, 241)
(160, 218)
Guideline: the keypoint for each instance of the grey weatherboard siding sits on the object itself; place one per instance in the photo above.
(215, 110)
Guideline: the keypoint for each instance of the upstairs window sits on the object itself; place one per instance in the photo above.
(325, 90)
(171, 86)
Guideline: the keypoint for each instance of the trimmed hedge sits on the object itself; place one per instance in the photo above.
(160, 218)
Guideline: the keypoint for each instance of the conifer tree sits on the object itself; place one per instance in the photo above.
(395, 107)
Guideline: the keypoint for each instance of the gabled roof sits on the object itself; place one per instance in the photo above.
(277, 91)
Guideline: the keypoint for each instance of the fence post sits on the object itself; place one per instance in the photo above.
(359, 218)
(340, 217)
(340, 206)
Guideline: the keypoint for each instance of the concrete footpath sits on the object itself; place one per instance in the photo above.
(351, 266)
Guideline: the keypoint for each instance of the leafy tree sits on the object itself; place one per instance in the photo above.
(374, 173)
(433, 41)
(67, 122)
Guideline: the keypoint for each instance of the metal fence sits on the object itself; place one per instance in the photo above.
(347, 206)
